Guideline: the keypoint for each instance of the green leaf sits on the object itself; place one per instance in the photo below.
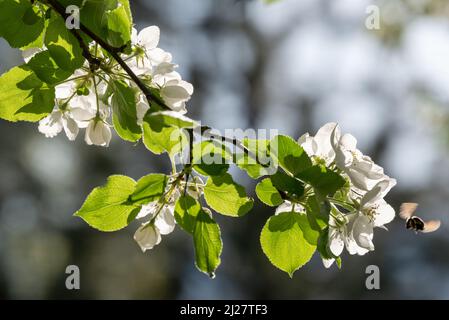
(108, 19)
(284, 242)
(205, 231)
(342, 193)
(227, 197)
(207, 242)
(21, 23)
(210, 158)
(107, 207)
(161, 137)
(119, 25)
(174, 119)
(338, 262)
(23, 97)
(260, 149)
(62, 45)
(268, 194)
(322, 247)
(45, 67)
(291, 186)
(123, 103)
(310, 234)
(324, 181)
(186, 212)
(291, 156)
(149, 188)
(317, 213)
(39, 41)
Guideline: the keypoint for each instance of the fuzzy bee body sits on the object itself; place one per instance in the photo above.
(416, 223)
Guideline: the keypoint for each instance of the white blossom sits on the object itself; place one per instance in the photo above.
(374, 212)
(320, 147)
(53, 124)
(288, 206)
(98, 133)
(147, 236)
(361, 169)
(160, 221)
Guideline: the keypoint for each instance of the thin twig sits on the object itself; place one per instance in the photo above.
(113, 51)
(95, 63)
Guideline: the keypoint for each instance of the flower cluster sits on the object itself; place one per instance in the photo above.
(84, 99)
(357, 211)
(160, 214)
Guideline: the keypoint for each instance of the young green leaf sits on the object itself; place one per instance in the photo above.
(108, 19)
(24, 97)
(21, 22)
(172, 119)
(322, 247)
(207, 242)
(227, 197)
(107, 208)
(123, 103)
(291, 156)
(292, 186)
(149, 188)
(210, 158)
(161, 137)
(259, 149)
(323, 180)
(205, 231)
(62, 45)
(186, 212)
(119, 25)
(317, 213)
(284, 242)
(45, 67)
(268, 194)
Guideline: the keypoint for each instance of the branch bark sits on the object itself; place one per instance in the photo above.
(95, 63)
(113, 51)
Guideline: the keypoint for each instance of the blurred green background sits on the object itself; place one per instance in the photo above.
(292, 66)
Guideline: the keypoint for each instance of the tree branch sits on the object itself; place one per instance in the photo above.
(95, 63)
(113, 51)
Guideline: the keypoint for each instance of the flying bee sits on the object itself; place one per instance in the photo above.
(416, 223)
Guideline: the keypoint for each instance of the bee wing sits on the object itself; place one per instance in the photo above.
(407, 210)
(431, 226)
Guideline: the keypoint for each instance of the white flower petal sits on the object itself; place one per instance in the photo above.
(165, 221)
(378, 192)
(349, 142)
(384, 214)
(134, 37)
(149, 37)
(147, 236)
(175, 92)
(98, 133)
(336, 242)
(328, 262)
(287, 206)
(51, 125)
(323, 141)
(30, 53)
(363, 232)
(147, 210)
(70, 127)
(158, 56)
(141, 108)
